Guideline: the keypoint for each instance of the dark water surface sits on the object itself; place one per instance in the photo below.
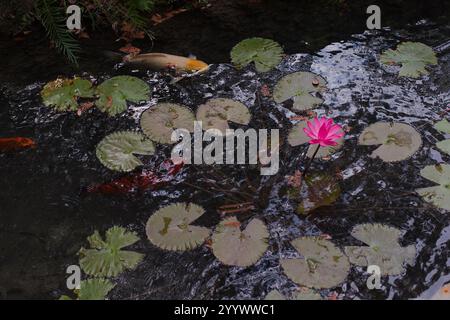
(45, 219)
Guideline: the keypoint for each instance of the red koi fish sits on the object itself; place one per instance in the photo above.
(138, 181)
(17, 143)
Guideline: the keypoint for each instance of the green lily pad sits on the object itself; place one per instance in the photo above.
(170, 227)
(274, 295)
(63, 94)
(303, 294)
(300, 86)
(323, 264)
(413, 57)
(297, 137)
(383, 249)
(234, 247)
(398, 141)
(117, 150)
(437, 195)
(159, 121)
(265, 53)
(105, 258)
(443, 126)
(92, 289)
(317, 190)
(444, 146)
(216, 113)
(115, 92)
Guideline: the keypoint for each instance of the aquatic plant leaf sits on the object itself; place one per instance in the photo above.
(159, 121)
(413, 57)
(216, 113)
(117, 150)
(383, 249)
(234, 247)
(323, 265)
(95, 289)
(300, 86)
(297, 137)
(444, 146)
(274, 295)
(170, 227)
(265, 53)
(437, 195)
(318, 190)
(398, 141)
(307, 294)
(63, 94)
(443, 126)
(105, 258)
(115, 92)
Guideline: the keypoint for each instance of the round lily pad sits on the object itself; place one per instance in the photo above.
(300, 87)
(63, 94)
(105, 257)
(444, 146)
(159, 121)
(117, 150)
(443, 126)
(115, 92)
(170, 227)
(274, 295)
(307, 294)
(92, 289)
(438, 195)
(297, 137)
(265, 53)
(323, 265)
(234, 247)
(398, 141)
(413, 57)
(383, 249)
(216, 113)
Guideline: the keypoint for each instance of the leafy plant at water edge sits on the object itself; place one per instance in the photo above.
(106, 258)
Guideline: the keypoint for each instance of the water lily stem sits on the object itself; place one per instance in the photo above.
(310, 162)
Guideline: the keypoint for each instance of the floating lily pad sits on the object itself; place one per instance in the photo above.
(274, 295)
(63, 94)
(383, 249)
(443, 126)
(398, 141)
(265, 53)
(437, 195)
(170, 227)
(303, 294)
(323, 265)
(117, 150)
(297, 137)
(161, 120)
(92, 289)
(234, 247)
(115, 92)
(413, 57)
(444, 146)
(105, 258)
(318, 190)
(216, 113)
(300, 87)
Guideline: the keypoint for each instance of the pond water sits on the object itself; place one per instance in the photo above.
(46, 216)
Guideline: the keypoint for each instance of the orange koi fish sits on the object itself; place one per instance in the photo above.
(161, 61)
(16, 143)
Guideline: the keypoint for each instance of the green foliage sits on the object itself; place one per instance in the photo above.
(92, 289)
(265, 53)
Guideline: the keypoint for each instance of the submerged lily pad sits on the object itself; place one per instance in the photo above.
(323, 265)
(159, 121)
(443, 126)
(318, 190)
(234, 247)
(216, 113)
(105, 258)
(299, 87)
(297, 137)
(63, 94)
(170, 227)
(437, 195)
(398, 141)
(92, 289)
(265, 53)
(413, 57)
(383, 249)
(117, 150)
(115, 92)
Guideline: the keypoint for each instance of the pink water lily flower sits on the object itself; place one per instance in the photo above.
(323, 131)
